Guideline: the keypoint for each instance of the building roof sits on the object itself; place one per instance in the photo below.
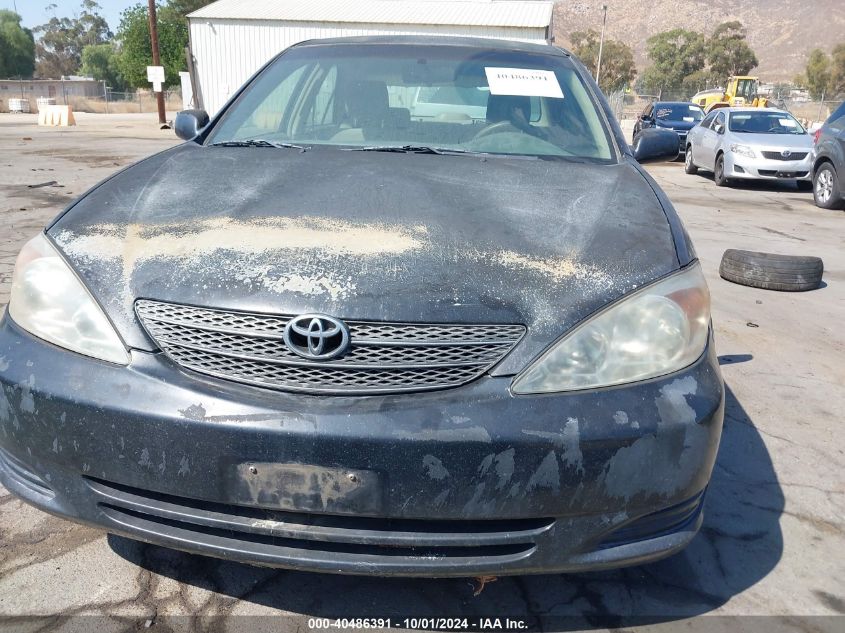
(525, 14)
(483, 43)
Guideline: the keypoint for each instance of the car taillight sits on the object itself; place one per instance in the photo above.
(816, 136)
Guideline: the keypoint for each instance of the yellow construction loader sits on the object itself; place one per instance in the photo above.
(741, 91)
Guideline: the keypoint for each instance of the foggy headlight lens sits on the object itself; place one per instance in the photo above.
(655, 331)
(743, 150)
(49, 301)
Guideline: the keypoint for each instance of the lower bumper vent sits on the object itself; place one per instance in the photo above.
(672, 519)
(18, 472)
(278, 535)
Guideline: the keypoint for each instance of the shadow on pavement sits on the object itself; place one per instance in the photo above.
(742, 184)
(739, 544)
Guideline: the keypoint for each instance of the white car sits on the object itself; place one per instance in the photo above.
(751, 143)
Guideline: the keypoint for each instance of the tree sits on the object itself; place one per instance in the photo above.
(617, 60)
(100, 62)
(701, 80)
(17, 47)
(133, 37)
(818, 73)
(728, 53)
(59, 47)
(675, 55)
(837, 71)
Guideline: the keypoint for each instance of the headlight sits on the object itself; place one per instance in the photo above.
(49, 301)
(655, 331)
(743, 150)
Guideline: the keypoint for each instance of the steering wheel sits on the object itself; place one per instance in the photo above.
(494, 128)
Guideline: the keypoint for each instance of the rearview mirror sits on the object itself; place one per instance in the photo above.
(656, 144)
(189, 123)
(719, 128)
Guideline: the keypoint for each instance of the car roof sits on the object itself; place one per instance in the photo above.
(441, 40)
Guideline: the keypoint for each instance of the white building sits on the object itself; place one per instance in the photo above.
(231, 39)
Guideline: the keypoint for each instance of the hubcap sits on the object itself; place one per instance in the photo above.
(824, 186)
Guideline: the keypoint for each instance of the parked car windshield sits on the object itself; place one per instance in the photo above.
(678, 112)
(765, 122)
(443, 97)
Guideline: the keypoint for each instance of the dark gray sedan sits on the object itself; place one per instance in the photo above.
(329, 334)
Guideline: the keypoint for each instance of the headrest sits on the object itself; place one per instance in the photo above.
(508, 108)
(366, 103)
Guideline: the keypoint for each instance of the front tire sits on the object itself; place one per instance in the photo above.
(719, 172)
(826, 187)
(689, 166)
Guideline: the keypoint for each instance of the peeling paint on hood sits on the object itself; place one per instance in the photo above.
(369, 236)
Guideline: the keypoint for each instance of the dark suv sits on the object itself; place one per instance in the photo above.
(829, 166)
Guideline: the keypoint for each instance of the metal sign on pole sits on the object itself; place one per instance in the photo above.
(158, 78)
(155, 75)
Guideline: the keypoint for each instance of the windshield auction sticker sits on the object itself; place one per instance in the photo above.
(523, 82)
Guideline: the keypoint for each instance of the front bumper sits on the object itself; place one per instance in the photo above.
(458, 482)
(738, 166)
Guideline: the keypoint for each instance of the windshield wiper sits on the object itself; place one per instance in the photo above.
(259, 142)
(411, 149)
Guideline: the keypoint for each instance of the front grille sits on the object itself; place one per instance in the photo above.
(779, 156)
(772, 173)
(383, 357)
(281, 534)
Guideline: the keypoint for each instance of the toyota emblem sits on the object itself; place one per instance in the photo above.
(316, 336)
(786, 153)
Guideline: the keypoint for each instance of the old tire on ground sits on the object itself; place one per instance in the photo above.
(789, 273)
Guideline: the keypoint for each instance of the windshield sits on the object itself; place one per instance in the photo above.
(747, 89)
(765, 122)
(442, 97)
(678, 112)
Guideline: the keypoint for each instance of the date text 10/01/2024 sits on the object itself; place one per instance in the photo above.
(425, 624)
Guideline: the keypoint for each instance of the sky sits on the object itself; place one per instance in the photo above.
(34, 12)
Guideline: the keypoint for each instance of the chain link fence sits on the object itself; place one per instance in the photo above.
(110, 102)
(113, 102)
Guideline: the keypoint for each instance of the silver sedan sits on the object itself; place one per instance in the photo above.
(751, 143)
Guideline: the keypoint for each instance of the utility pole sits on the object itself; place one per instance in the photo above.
(162, 119)
(601, 42)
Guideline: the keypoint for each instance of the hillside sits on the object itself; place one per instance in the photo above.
(781, 32)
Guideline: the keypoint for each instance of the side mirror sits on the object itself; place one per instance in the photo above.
(656, 144)
(719, 128)
(189, 123)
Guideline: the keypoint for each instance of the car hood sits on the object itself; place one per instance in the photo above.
(677, 125)
(802, 142)
(369, 236)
